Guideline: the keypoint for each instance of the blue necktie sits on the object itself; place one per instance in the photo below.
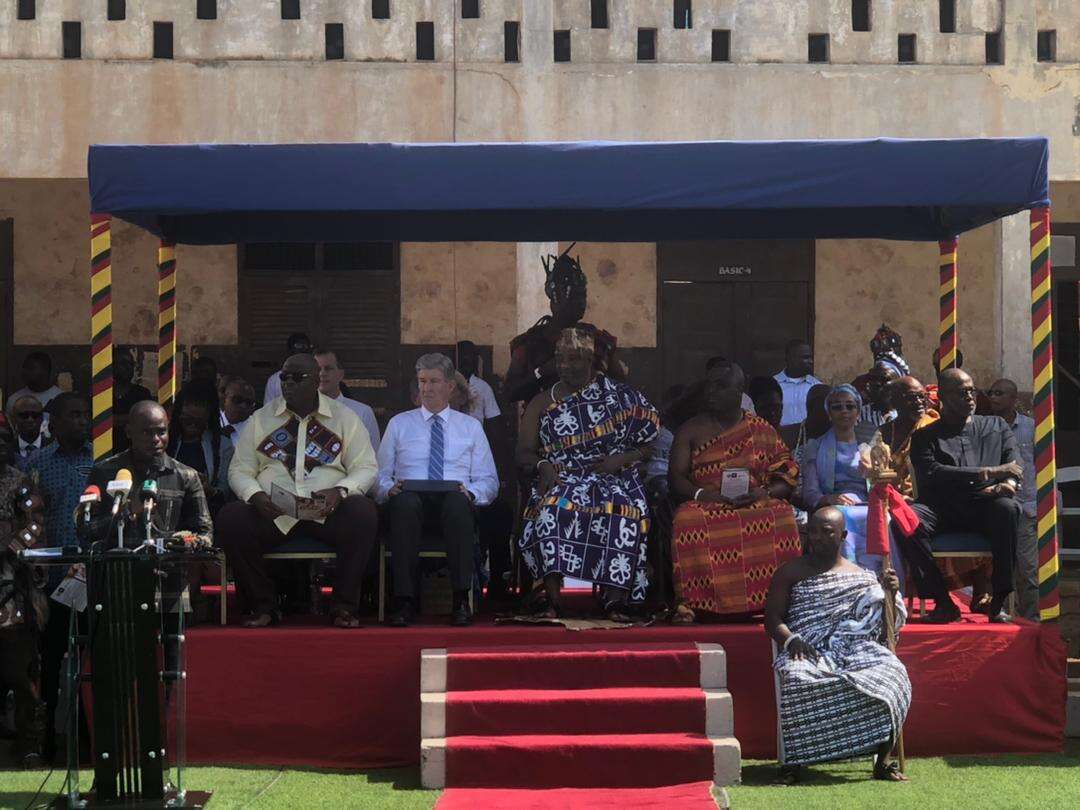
(435, 460)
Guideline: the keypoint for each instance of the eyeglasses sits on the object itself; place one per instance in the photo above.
(294, 376)
(997, 392)
(29, 414)
(243, 400)
(843, 406)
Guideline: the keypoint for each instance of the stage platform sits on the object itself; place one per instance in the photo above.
(307, 694)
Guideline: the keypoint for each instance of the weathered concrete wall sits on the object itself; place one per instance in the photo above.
(460, 291)
(52, 275)
(861, 284)
(622, 289)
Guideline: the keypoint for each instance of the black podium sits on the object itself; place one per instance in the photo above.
(132, 642)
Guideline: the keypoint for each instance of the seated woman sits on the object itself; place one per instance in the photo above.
(195, 439)
(587, 515)
(831, 474)
(725, 546)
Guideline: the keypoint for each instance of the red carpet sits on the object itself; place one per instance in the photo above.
(323, 697)
(585, 716)
(695, 796)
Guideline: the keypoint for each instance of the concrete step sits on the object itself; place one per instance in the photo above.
(557, 760)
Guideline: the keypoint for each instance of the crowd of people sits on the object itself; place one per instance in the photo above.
(765, 482)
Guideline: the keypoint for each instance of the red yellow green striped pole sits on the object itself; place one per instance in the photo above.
(166, 359)
(1042, 355)
(947, 299)
(101, 359)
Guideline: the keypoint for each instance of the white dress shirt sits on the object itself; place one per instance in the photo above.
(1023, 429)
(406, 449)
(795, 390)
(484, 406)
(273, 388)
(367, 416)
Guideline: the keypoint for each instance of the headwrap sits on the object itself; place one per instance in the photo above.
(893, 365)
(576, 337)
(564, 275)
(846, 388)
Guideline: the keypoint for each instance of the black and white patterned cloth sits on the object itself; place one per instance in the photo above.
(856, 695)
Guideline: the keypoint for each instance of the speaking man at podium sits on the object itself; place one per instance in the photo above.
(179, 503)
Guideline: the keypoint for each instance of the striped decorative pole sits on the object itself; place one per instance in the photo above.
(101, 359)
(166, 359)
(947, 298)
(1042, 355)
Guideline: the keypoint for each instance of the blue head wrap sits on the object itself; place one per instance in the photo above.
(846, 388)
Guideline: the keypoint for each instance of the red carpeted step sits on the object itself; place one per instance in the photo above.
(620, 710)
(570, 760)
(579, 667)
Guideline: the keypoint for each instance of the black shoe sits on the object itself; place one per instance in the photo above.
(944, 612)
(402, 617)
(1001, 617)
(995, 612)
(461, 616)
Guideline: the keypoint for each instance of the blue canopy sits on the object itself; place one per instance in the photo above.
(590, 191)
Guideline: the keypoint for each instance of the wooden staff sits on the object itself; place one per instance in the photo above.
(882, 473)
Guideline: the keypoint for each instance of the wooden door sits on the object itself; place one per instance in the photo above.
(743, 299)
(345, 297)
(8, 380)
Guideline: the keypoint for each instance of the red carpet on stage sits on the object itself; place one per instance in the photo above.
(319, 696)
(694, 796)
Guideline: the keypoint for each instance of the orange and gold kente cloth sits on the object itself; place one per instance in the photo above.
(724, 558)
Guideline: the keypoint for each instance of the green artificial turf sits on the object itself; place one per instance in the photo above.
(1038, 781)
(262, 788)
(1014, 781)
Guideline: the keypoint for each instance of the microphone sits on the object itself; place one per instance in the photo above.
(148, 495)
(90, 496)
(118, 489)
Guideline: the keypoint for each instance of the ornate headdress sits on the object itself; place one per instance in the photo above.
(564, 275)
(888, 347)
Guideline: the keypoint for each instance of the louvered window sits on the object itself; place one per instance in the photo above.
(345, 297)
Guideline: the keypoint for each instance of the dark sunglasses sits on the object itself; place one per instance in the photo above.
(294, 376)
(30, 414)
(843, 406)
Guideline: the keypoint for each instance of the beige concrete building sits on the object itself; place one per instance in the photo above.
(622, 70)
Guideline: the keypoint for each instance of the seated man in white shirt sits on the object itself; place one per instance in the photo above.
(796, 380)
(434, 443)
(237, 404)
(297, 343)
(330, 376)
(37, 381)
(484, 405)
(307, 445)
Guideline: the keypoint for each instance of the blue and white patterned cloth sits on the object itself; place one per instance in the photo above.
(855, 696)
(592, 525)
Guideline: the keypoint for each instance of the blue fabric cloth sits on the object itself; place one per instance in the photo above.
(846, 478)
(923, 190)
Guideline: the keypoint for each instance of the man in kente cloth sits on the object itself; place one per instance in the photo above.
(532, 354)
(726, 546)
(587, 515)
(843, 694)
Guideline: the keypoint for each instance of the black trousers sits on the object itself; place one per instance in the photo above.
(409, 513)
(998, 519)
(495, 525)
(19, 665)
(246, 536)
